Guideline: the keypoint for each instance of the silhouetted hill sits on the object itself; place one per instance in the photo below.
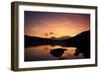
(81, 41)
(83, 37)
(35, 41)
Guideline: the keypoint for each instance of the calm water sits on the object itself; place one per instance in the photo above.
(40, 53)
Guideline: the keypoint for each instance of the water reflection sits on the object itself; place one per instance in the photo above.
(39, 53)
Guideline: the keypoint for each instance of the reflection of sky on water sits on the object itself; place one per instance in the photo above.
(40, 53)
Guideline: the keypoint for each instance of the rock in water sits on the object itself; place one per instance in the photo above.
(58, 52)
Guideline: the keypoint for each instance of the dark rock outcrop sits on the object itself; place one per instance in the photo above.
(58, 52)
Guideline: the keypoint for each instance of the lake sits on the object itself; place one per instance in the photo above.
(42, 53)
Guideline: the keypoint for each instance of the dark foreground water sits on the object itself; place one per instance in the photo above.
(40, 53)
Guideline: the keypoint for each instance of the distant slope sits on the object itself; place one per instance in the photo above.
(61, 38)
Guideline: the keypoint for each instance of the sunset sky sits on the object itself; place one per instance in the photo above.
(51, 24)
